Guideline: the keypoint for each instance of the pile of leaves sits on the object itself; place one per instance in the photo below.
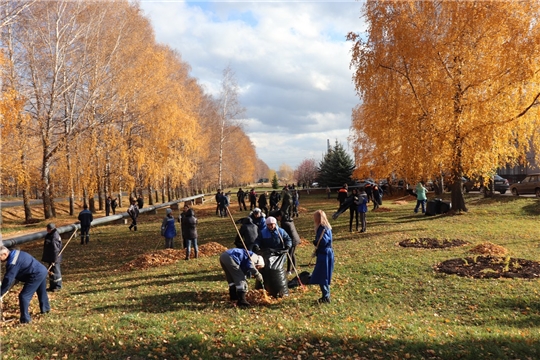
(170, 256)
(488, 248)
(401, 202)
(383, 209)
(490, 267)
(431, 243)
(304, 242)
(260, 297)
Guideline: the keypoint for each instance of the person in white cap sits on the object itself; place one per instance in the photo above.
(237, 263)
(273, 237)
(168, 229)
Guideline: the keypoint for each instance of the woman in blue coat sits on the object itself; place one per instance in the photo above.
(324, 267)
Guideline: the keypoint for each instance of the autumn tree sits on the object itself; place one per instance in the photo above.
(229, 112)
(445, 88)
(285, 173)
(306, 172)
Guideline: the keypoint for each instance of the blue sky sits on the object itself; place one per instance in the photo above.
(291, 62)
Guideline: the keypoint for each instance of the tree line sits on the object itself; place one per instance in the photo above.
(92, 105)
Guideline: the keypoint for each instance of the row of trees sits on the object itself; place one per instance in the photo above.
(446, 87)
(91, 104)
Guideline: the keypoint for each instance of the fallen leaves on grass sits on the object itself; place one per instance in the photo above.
(488, 248)
(401, 202)
(260, 297)
(383, 209)
(170, 256)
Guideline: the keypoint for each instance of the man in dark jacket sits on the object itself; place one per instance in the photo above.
(85, 218)
(140, 202)
(290, 229)
(51, 255)
(249, 232)
(23, 267)
(241, 195)
(252, 199)
(286, 202)
(133, 212)
(188, 222)
(343, 193)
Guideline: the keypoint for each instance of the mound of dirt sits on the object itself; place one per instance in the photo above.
(170, 256)
(430, 243)
(488, 248)
(490, 267)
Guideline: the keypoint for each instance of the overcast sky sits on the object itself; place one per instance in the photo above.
(290, 59)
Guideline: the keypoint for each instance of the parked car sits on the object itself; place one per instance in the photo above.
(315, 185)
(529, 185)
(448, 183)
(500, 184)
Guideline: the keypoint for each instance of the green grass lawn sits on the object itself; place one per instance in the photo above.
(387, 301)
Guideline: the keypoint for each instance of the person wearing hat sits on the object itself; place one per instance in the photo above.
(273, 237)
(23, 267)
(52, 247)
(237, 263)
(168, 229)
(258, 218)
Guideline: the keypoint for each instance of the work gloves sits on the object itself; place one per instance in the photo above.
(259, 277)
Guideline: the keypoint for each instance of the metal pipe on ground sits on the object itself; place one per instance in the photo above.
(23, 239)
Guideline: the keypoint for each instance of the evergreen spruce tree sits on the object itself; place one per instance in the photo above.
(336, 168)
(275, 183)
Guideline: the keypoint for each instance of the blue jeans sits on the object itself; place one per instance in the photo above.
(325, 289)
(418, 203)
(195, 247)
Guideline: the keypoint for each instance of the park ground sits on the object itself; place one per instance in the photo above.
(125, 298)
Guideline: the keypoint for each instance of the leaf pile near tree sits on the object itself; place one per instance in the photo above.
(432, 243)
(490, 267)
(170, 256)
(488, 248)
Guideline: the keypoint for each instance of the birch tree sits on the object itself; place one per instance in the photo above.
(446, 87)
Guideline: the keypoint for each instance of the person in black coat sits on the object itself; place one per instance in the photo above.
(133, 212)
(241, 195)
(353, 209)
(114, 205)
(290, 229)
(188, 223)
(85, 218)
(263, 202)
(249, 232)
(108, 206)
(52, 247)
(140, 202)
(23, 267)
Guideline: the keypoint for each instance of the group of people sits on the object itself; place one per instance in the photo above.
(288, 196)
(258, 233)
(188, 225)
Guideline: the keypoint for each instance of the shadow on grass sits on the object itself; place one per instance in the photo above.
(309, 344)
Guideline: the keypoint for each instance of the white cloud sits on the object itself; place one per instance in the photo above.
(291, 62)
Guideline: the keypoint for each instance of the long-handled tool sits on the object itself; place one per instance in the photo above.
(316, 247)
(64, 248)
(292, 262)
(245, 247)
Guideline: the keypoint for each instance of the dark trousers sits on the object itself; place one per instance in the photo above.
(353, 212)
(242, 203)
(38, 284)
(85, 234)
(363, 221)
(55, 279)
(133, 224)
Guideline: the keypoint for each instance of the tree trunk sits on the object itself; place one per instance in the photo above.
(27, 208)
(458, 201)
(150, 198)
(46, 187)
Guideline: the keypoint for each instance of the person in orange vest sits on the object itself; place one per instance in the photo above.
(343, 193)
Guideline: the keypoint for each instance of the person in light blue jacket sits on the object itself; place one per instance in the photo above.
(168, 229)
(362, 210)
(421, 197)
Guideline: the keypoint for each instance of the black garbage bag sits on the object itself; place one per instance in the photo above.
(275, 278)
(304, 276)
